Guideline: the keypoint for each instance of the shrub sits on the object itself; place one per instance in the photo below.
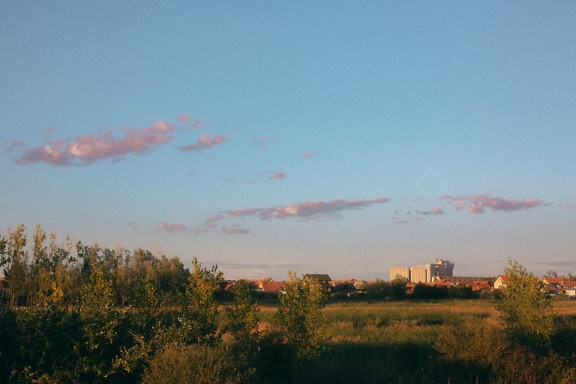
(194, 364)
(300, 316)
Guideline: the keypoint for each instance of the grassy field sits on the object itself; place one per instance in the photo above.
(393, 342)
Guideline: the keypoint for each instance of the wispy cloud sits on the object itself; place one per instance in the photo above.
(262, 143)
(234, 230)
(204, 142)
(86, 149)
(164, 226)
(308, 211)
(271, 175)
(478, 203)
(209, 224)
(433, 211)
(186, 120)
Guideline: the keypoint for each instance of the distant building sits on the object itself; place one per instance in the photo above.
(426, 273)
(323, 279)
(501, 282)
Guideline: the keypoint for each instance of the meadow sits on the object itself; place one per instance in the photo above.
(398, 341)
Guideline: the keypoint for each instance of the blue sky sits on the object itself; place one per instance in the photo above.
(332, 137)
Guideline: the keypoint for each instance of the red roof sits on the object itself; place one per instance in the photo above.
(273, 286)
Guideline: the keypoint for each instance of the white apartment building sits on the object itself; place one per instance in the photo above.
(426, 273)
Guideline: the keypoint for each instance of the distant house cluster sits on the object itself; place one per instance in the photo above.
(426, 273)
(337, 288)
(552, 286)
(474, 283)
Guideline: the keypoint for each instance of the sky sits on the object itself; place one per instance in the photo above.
(339, 137)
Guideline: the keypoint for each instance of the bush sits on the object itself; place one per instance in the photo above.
(300, 316)
(194, 364)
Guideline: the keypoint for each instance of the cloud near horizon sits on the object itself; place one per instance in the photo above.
(477, 203)
(86, 149)
(234, 230)
(433, 211)
(307, 211)
(310, 210)
(164, 226)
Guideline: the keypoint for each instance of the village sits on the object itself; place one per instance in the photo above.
(434, 275)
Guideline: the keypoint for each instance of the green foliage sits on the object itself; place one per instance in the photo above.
(194, 364)
(200, 310)
(384, 290)
(241, 321)
(527, 313)
(300, 316)
(90, 314)
(48, 341)
(14, 262)
(100, 321)
(8, 342)
(476, 345)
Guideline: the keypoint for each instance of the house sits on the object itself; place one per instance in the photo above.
(559, 286)
(323, 279)
(570, 289)
(438, 282)
(274, 287)
(553, 285)
(267, 287)
(501, 282)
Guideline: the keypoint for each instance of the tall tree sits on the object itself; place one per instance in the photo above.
(528, 314)
(300, 315)
(100, 323)
(200, 311)
(15, 264)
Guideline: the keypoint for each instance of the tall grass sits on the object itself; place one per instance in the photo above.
(397, 342)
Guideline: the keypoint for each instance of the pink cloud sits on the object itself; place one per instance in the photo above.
(433, 211)
(209, 224)
(307, 155)
(278, 176)
(308, 211)
(478, 203)
(204, 142)
(185, 120)
(273, 175)
(164, 226)
(212, 220)
(262, 142)
(243, 212)
(234, 230)
(311, 210)
(86, 149)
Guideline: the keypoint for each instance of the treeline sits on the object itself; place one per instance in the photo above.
(397, 290)
(83, 314)
(44, 272)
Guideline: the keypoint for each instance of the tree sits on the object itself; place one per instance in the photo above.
(100, 323)
(242, 326)
(300, 316)
(15, 263)
(528, 314)
(200, 311)
(551, 273)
